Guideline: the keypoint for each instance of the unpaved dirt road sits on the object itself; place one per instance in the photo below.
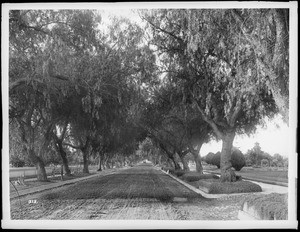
(141, 192)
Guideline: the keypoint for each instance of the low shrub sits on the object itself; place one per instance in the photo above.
(213, 159)
(215, 186)
(194, 176)
(208, 158)
(179, 172)
(170, 169)
(238, 160)
(273, 206)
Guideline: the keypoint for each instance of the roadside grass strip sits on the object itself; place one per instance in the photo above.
(276, 178)
(273, 206)
(214, 186)
(37, 186)
(198, 191)
(210, 187)
(270, 206)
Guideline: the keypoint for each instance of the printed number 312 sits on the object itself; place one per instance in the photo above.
(32, 201)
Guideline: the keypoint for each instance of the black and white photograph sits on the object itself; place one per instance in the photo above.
(155, 115)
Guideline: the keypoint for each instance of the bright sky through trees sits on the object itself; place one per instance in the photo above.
(273, 138)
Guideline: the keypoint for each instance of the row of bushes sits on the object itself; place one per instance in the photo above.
(238, 160)
(188, 176)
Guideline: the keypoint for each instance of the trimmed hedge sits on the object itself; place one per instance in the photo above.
(213, 159)
(195, 176)
(238, 160)
(273, 206)
(215, 186)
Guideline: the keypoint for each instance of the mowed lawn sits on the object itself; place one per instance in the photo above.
(265, 173)
(268, 174)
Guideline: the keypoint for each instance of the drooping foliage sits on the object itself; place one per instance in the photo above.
(202, 73)
(207, 54)
(71, 86)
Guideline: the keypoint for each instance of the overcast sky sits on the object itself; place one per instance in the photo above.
(274, 138)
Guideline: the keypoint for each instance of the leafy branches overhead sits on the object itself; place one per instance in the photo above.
(217, 67)
(244, 40)
(64, 71)
(202, 73)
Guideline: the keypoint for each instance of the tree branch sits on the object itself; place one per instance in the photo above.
(22, 81)
(73, 146)
(236, 112)
(205, 118)
(163, 30)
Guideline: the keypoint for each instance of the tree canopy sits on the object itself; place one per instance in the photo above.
(209, 56)
(188, 76)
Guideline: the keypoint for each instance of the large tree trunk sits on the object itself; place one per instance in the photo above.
(41, 171)
(85, 157)
(174, 160)
(29, 146)
(195, 152)
(40, 166)
(107, 164)
(176, 164)
(85, 163)
(171, 156)
(197, 159)
(227, 173)
(280, 87)
(100, 163)
(63, 156)
(184, 162)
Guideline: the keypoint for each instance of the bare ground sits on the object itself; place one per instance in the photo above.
(225, 208)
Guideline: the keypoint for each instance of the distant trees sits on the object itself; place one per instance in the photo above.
(150, 151)
(257, 157)
(254, 157)
(174, 126)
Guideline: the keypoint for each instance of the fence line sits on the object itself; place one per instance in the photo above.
(27, 172)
